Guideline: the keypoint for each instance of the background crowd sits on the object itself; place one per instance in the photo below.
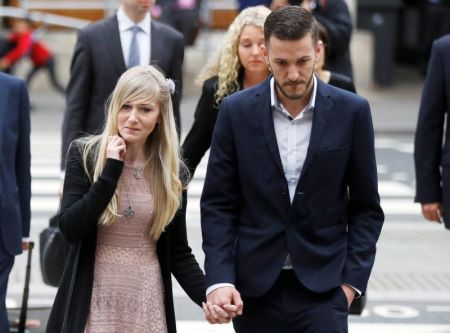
(137, 36)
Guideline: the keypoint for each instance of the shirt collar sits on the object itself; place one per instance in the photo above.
(125, 23)
(275, 103)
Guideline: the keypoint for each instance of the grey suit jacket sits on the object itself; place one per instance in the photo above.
(97, 64)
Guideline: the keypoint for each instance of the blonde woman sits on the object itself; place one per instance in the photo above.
(122, 211)
(239, 64)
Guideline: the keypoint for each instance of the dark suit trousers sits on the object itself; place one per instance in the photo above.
(6, 263)
(288, 307)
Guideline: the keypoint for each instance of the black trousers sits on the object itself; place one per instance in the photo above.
(288, 307)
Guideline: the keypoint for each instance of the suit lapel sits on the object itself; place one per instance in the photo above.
(112, 39)
(321, 111)
(264, 112)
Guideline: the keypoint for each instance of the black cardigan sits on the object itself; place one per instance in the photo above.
(81, 207)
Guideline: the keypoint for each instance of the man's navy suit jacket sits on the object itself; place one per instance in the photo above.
(249, 224)
(432, 146)
(15, 179)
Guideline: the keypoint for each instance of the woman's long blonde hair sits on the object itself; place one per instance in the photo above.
(136, 85)
(225, 63)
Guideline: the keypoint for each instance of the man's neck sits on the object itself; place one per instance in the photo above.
(251, 79)
(136, 17)
(294, 106)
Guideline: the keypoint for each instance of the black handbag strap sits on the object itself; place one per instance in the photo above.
(71, 287)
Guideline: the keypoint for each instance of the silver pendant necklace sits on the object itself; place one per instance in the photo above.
(138, 172)
(129, 212)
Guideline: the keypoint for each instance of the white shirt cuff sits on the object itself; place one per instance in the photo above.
(217, 286)
(358, 292)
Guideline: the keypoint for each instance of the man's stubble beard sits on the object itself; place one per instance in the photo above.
(295, 97)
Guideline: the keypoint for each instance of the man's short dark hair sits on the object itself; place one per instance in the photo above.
(290, 23)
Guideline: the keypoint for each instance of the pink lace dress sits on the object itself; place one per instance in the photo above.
(128, 293)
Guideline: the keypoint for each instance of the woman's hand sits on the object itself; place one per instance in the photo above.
(116, 148)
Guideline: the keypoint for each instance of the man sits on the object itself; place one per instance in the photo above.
(104, 51)
(432, 146)
(15, 179)
(290, 206)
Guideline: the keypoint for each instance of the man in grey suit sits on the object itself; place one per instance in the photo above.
(104, 50)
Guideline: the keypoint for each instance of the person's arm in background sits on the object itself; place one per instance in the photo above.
(176, 74)
(428, 137)
(198, 140)
(78, 94)
(336, 19)
(23, 45)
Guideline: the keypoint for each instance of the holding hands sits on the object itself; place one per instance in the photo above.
(116, 148)
(223, 304)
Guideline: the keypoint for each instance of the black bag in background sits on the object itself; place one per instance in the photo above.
(53, 252)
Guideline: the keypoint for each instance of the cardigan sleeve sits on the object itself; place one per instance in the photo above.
(185, 267)
(83, 203)
(199, 138)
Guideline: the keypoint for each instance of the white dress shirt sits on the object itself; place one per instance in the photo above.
(143, 37)
(293, 135)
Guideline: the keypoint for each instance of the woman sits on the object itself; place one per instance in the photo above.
(237, 65)
(335, 79)
(121, 192)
